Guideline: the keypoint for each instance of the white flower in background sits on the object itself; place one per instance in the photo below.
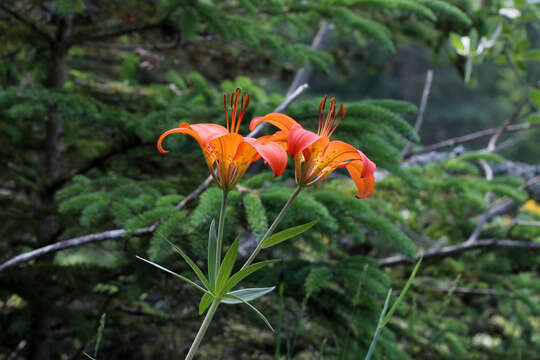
(510, 13)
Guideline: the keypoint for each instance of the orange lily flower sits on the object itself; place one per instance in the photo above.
(228, 154)
(316, 156)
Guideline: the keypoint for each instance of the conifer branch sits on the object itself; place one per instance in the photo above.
(98, 161)
(32, 24)
(114, 32)
(119, 233)
(461, 248)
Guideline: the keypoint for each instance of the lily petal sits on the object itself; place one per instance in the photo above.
(300, 139)
(369, 166)
(224, 148)
(271, 152)
(279, 137)
(338, 154)
(283, 122)
(364, 184)
(203, 133)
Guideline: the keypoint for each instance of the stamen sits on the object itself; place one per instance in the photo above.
(331, 113)
(226, 110)
(322, 105)
(340, 120)
(244, 105)
(235, 108)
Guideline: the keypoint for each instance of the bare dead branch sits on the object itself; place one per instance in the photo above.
(422, 108)
(466, 291)
(493, 140)
(498, 208)
(530, 182)
(526, 223)
(31, 23)
(515, 139)
(113, 32)
(470, 137)
(461, 248)
(303, 74)
(73, 242)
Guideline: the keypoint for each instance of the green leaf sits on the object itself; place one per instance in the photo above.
(245, 272)
(212, 254)
(455, 40)
(287, 234)
(247, 294)
(99, 335)
(402, 295)
(252, 308)
(175, 274)
(206, 300)
(192, 264)
(535, 97)
(226, 267)
(531, 55)
(534, 118)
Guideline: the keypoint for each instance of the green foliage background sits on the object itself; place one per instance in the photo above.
(86, 87)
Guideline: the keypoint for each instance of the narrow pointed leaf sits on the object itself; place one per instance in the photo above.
(252, 308)
(287, 234)
(402, 295)
(206, 300)
(190, 262)
(226, 267)
(247, 294)
(212, 254)
(379, 327)
(175, 274)
(245, 272)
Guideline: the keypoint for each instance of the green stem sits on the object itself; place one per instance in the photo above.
(204, 326)
(272, 227)
(221, 225)
(213, 307)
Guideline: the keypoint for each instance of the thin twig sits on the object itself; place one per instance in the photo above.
(304, 73)
(526, 222)
(466, 291)
(422, 109)
(73, 242)
(113, 32)
(491, 147)
(460, 248)
(32, 24)
(511, 141)
(511, 119)
(470, 137)
(495, 209)
(530, 182)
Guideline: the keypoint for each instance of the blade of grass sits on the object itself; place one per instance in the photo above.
(402, 295)
(379, 327)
